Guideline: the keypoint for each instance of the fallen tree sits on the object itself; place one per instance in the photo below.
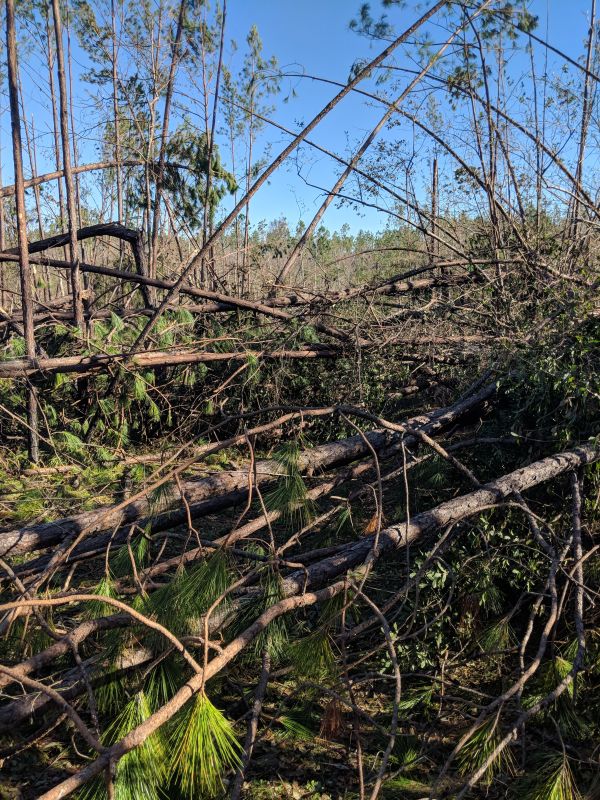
(22, 368)
(396, 285)
(300, 589)
(388, 603)
(322, 457)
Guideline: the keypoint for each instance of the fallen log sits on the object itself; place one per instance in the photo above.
(399, 284)
(301, 587)
(25, 368)
(113, 229)
(95, 546)
(449, 513)
(326, 456)
(222, 302)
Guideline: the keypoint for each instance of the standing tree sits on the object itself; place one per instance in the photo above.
(27, 298)
(258, 80)
(68, 174)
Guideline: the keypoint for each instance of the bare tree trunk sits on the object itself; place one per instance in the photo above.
(165, 135)
(36, 194)
(245, 281)
(66, 152)
(585, 120)
(2, 237)
(25, 268)
(45, 269)
(147, 215)
(36, 191)
(208, 216)
(434, 243)
(74, 138)
(56, 138)
(55, 124)
(116, 114)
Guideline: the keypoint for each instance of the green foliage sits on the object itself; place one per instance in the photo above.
(296, 725)
(201, 586)
(289, 496)
(180, 603)
(276, 636)
(557, 384)
(163, 682)
(498, 636)
(105, 588)
(17, 347)
(71, 444)
(141, 772)
(312, 656)
(480, 747)
(120, 562)
(553, 779)
(110, 694)
(418, 696)
(563, 710)
(161, 497)
(203, 746)
(187, 189)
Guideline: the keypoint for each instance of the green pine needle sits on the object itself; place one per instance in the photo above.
(203, 746)
(498, 636)
(140, 774)
(479, 747)
(200, 587)
(313, 656)
(289, 496)
(292, 728)
(554, 780)
(106, 588)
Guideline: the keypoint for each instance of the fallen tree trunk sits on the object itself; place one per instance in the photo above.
(25, 368)
(300, 588)
(113, 229)
(448, 513)
(326, 456)
(95, 546)
(223, 302)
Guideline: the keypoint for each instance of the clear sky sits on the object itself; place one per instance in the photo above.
(313, 37)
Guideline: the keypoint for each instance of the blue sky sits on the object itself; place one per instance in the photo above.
(311, 37)
(316, 36)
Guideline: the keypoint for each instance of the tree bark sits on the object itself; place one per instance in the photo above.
(164, 137)
(298, 592)
(116, 121)
(68, 173)
(326, 456)
(24, 265)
